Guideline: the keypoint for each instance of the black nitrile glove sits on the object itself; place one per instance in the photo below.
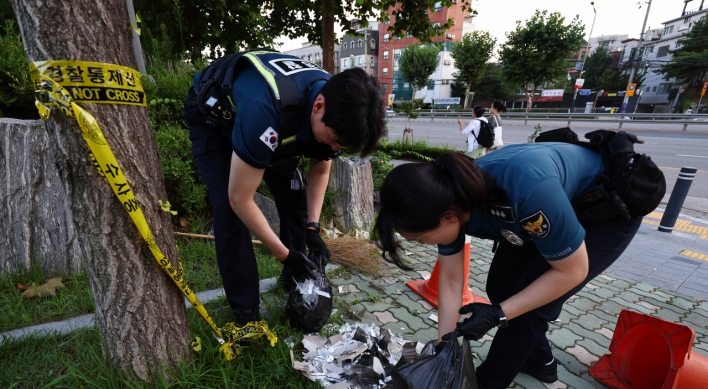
(441, 345)
(484, 318)
(314, 242)
(299, 265)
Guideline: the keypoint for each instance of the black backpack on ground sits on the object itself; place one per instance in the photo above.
(631, 185)
(486, 134)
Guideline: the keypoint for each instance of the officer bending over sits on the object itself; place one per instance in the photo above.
(520, 197)
(251, 116)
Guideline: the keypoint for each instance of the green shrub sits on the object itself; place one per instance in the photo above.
(420, 150)
(166, 87)
(186, 190)
(380, 167)
(16, 90)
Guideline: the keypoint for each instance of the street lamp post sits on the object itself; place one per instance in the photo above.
(587, 54)
(623, 109)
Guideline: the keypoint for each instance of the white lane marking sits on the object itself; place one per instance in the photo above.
(694, 156)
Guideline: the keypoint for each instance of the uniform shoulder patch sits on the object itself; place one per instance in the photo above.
(537, 224)
(270, 138)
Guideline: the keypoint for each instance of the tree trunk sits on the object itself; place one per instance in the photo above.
(352, 178)
(529, 96)
(139, 311)
(31, 180)
(328, 35)
(467, 96)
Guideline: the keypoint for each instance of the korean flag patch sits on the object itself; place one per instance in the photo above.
(270, 138)
(537, 224)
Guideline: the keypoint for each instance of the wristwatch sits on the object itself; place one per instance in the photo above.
(502, 317)
(314, 225)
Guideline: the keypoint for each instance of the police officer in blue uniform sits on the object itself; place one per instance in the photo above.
(251, 116)
(520, 197)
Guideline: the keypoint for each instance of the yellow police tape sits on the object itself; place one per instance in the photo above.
(50, 93)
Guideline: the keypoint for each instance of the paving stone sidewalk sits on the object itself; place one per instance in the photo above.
(579, 337)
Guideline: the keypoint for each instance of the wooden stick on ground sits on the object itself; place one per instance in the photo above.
(200, 236)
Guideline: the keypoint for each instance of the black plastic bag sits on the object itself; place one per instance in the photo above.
(310, 311)
(452, 368)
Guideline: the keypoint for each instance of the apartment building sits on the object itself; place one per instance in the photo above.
(392, 47)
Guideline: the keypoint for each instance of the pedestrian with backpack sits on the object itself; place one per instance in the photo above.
(480, 135)
(251, 117)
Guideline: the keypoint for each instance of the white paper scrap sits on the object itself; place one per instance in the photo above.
(419, 347)
(433, 317)
(317, 340)
(378, 367)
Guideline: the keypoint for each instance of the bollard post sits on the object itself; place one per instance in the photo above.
(678, 195)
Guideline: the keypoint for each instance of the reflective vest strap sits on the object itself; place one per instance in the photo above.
(267, 75)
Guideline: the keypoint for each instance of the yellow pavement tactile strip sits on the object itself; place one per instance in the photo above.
(694, 254)
(681, 225)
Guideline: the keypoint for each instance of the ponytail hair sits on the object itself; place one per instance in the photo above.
(415, 196)
(499, 106)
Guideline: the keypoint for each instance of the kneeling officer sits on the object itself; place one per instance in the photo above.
(251, 116)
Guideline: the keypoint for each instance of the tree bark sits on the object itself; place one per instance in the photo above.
(139, 311)
(328, 35)
(352, 178)
(467, 96)
(30, 181)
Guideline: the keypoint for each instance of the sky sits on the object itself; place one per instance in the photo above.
(613, 16)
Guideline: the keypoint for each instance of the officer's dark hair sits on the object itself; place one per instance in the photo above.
(499, 106)
(415, 196)
(478, 111)
(354, 109)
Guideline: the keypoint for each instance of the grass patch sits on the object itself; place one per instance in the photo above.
(76, 360)
(73, 300)
(198, 259)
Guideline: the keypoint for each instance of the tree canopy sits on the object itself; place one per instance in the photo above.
(690, 61)
(538, 50)
(595, 65)
(216, 25)
(471, 55)
(229, 26)
(417, 63)
(617, 79)
(492, 86)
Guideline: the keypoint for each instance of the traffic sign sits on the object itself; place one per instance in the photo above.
(705, 87)
(579, 83)
(630, 89)
(584, 92)
(681, 90)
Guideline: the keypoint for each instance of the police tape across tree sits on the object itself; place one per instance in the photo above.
(50, 91)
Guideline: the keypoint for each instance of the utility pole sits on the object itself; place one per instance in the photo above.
(587, 54)
(636, 62)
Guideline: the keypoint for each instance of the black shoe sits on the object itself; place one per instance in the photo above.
(544, 373)
(243, 317)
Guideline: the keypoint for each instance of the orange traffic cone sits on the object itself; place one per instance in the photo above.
(428, 289)
(650, 353)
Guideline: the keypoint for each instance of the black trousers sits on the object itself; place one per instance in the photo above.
(234, 251)
(512, 269)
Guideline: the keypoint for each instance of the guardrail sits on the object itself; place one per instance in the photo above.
(620, 118)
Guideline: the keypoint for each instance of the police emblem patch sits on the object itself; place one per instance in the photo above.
(537, 224)
(270, 138)
(512, 237)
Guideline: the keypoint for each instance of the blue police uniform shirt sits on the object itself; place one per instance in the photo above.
(256, 114)
(540, 179)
